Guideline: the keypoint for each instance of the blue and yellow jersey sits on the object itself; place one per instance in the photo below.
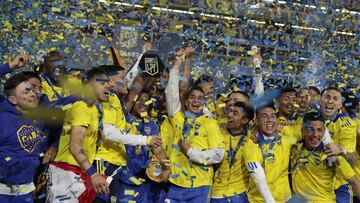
(68, 86)
(274, 156)
(294, 120)
(292, 130)
(298, 120)
(204, 134)
(109, 151)
(312, 179)
(71, 85)
(232, 178)
(54, 92)
(139, 157)
(166, 133)
(342, 130)
(357, 163)
(80, 114)
(22, 141)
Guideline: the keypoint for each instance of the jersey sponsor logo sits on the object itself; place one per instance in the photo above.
(29, 137)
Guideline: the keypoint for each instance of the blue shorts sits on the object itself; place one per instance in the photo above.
(344, 194)
(28, 198)
(241, 198)
(157, 192)
(188, 195)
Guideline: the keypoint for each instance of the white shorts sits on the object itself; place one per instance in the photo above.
(63, 186)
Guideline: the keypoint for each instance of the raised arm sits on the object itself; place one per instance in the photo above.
(134, 70)
(186, 73)
(18, 62)
(172, 88)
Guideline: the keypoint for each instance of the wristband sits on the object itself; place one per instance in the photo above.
(91, 171)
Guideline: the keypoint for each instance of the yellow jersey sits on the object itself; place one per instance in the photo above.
(71, 85)
(312, 179)
(53, 92)
(342, 130)
(80, 114)
(231, 178)
(274, 156)
(357, 163)
(204, 134)
(295, 120)
(68, 86)
(166, 134)
(113, 114)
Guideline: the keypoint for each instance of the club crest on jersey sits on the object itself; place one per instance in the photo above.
(28, 137)
(147, 130)
(197, 126)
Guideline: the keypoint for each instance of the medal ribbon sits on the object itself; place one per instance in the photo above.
(44, 77)
(299, 157)
(232, 152)
(100, 109)
(272, 144)
(187, 127)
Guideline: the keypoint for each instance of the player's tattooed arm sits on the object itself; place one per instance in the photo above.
(76, 139)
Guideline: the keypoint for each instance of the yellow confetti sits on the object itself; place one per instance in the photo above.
(251, 52)
(135, 180)
(67, 50)
(179, 26)
(222, 105)
(129, 192)
(135, 98)
(8, 158)
(41, 154)
(148, 102)
(143, 114)
(68, 26)
(54, 9)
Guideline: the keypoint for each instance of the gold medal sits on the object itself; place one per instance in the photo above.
(154, 170)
